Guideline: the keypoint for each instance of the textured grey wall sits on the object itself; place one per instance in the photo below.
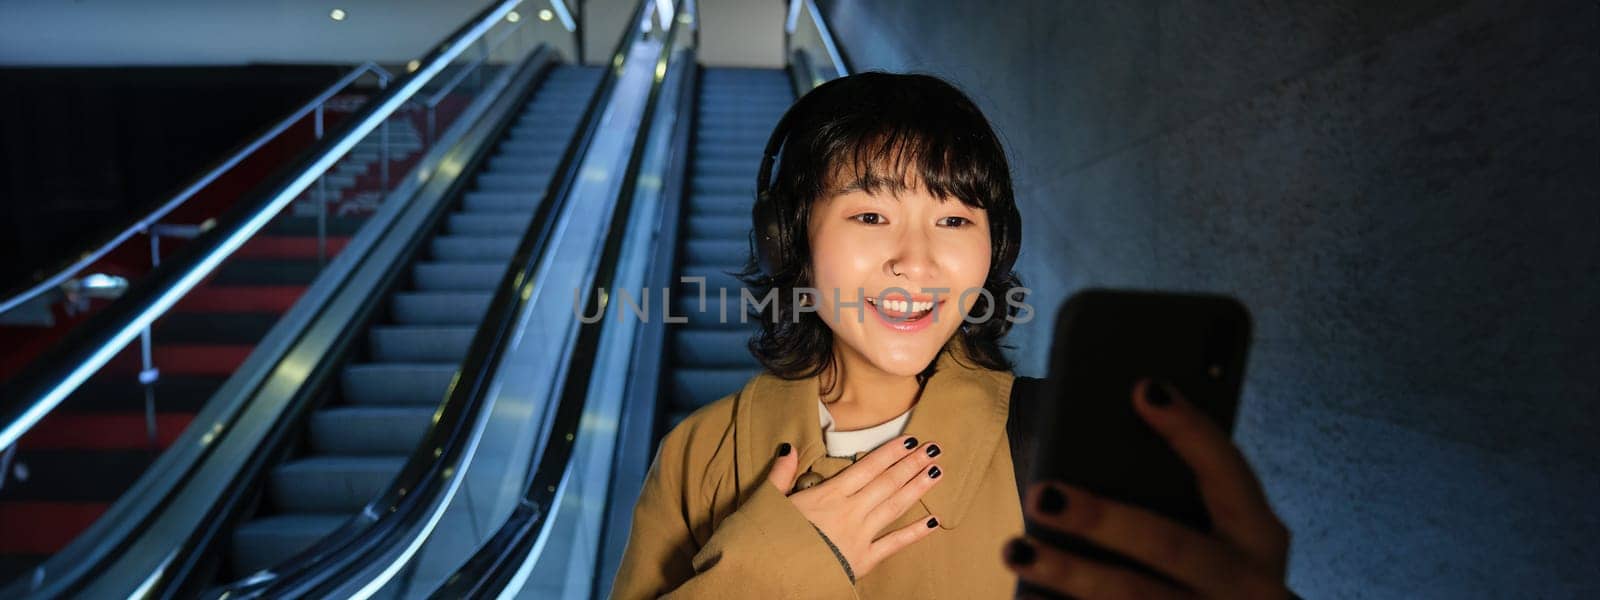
(1403, 193)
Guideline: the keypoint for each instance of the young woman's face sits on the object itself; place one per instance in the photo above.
(866, 244)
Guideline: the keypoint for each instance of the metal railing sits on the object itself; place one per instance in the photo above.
(813, 55)
(151, 223)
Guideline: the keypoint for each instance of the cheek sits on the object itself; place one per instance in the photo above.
(967, 267)
(837, 261)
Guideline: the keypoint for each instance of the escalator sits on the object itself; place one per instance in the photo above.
(337, 470)
(383, 403)
(311, 355)
(735, 112)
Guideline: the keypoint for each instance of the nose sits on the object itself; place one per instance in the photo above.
(913, 258)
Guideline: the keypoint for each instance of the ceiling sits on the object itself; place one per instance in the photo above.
(221, 32)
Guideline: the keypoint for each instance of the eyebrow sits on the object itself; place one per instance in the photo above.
(866, 182)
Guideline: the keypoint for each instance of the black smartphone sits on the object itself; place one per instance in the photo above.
(1088, 434)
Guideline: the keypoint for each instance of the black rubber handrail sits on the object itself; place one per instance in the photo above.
(497, 560)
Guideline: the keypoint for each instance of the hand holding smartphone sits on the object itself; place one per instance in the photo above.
(1131, 490)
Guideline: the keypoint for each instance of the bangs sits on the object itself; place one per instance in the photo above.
(898, 144)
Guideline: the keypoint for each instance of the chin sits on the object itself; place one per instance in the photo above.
(906, 358)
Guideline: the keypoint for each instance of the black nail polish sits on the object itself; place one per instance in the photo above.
(1051, 501)
(784, 449)
(1019, 553)
(933, 449)
(911, 443)
(934, 472)
(1157, 394)
(933, 522)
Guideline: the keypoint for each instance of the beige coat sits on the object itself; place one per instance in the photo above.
(708, 525)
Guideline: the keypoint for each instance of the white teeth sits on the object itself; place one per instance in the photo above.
(901, 306)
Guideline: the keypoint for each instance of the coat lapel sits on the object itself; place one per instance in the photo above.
(963, 407)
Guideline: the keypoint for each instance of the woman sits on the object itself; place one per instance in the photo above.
(871, 459)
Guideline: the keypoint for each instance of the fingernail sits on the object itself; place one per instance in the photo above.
(784, 449)
(933, 522)
(934, 473)
(911, 443)
(1051, 501)
(933, 449)
(1156, 393)
(1019, 553)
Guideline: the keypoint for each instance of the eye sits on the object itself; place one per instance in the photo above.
(870, 219)
(955, 221)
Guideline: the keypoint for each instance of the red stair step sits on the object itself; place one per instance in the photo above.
(290, 247)
(241, 298)
(186, 359)
(103, 431)
(44, 527)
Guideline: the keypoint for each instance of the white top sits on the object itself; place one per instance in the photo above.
(844, 444)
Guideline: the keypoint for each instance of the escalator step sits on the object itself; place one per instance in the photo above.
(330, 484)
(724, 205)
(716, 278)
(528, 163)
(369, 430)
(439, 308)
(512, 182)
(457, 276)
(712, 252)
(725, 186)
(487, 224)
(501, 202)
(723, 227)
(448, 248)
(713, 348)
(261, 543)
(397, 343)
(392, 384)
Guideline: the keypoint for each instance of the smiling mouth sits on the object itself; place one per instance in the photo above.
(902, 309)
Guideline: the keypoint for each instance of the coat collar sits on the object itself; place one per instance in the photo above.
(963, 407)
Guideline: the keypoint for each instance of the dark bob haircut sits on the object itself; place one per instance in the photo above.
(881, 131)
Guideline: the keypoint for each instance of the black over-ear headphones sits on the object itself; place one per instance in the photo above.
(769, 233)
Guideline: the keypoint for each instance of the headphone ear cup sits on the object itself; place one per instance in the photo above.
(768, 233)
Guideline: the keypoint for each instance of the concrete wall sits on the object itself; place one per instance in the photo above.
(1403, 193)
(741, 33)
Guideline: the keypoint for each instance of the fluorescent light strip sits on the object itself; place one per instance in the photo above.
(794, 16)
(827, 39)
(664, 14)
(560, 7)
(14, 430)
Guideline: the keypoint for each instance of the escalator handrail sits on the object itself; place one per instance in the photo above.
(496, 561)
(194, 186)
(828, 43)
(438, 460)
(25, 400)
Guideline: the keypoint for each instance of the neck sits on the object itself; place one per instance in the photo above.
(859, 395)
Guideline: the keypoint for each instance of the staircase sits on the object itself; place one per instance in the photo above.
(737, 109)
(359, 439)
(85, 454)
